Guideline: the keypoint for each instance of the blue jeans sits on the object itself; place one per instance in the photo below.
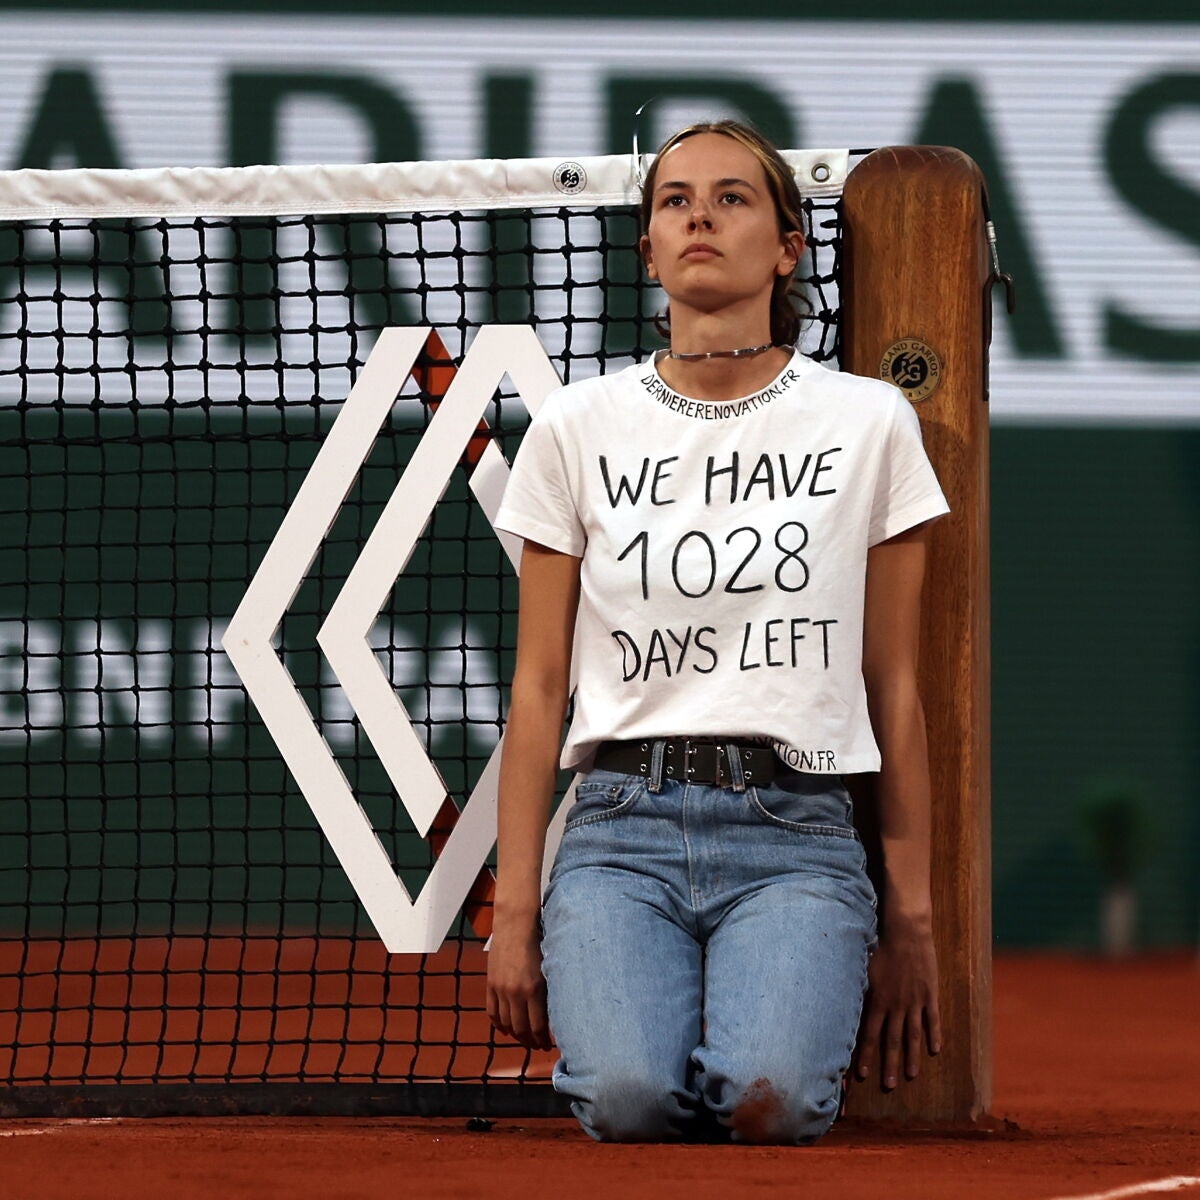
(705, 952)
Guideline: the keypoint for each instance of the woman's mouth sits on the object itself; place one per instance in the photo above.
(700, 250)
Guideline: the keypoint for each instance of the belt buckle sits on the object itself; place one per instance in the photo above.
(721, 775)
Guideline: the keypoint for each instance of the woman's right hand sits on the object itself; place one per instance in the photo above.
(516, 988)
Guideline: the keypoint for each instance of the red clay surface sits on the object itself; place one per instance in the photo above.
(1097, 1066)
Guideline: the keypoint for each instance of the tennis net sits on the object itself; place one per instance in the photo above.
(176, 932)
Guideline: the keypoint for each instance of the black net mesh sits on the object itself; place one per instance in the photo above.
(170, 913)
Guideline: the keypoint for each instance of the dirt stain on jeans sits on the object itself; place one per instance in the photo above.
(757, 1117)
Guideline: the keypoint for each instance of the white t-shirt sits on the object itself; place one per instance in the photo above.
(724, 549)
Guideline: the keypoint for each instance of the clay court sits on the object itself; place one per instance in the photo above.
(1097, 1093)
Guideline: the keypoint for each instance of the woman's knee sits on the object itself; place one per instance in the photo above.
(792, 1112)
(631, 1107)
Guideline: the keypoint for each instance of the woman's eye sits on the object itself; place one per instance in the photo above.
(734, 197)
(671, 201)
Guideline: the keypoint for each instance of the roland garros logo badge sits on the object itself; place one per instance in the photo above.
(570, 178)
(913, 366)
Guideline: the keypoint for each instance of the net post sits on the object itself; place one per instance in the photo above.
(916, 310)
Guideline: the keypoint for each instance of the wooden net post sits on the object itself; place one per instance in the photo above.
(916, 311)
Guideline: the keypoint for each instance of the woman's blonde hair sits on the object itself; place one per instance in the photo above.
(785, 319)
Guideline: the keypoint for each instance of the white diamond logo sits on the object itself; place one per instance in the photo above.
(405, 925)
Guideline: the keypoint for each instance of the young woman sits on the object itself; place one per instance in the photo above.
(725, 547)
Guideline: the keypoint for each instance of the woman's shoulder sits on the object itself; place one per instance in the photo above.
(864, 396)
(581, 396)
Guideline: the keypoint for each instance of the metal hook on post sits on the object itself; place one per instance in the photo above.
(997, 275)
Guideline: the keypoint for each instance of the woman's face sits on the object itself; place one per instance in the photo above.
(713, 238)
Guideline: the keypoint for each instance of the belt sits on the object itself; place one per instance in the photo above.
(691, 760)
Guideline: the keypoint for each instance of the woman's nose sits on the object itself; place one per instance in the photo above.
(700, 217)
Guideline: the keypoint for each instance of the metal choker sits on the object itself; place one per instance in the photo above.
(744, 352)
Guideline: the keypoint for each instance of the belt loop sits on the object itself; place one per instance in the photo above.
(657, 751)
(733, 763)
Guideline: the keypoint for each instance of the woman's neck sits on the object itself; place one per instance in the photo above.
(720, 378)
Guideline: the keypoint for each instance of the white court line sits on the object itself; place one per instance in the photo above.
(60, 1125)
(1173, 1184)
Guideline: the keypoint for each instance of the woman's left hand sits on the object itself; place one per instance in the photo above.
(902, 1005)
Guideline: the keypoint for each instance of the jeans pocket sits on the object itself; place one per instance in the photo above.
(602, 795)
(817, 809)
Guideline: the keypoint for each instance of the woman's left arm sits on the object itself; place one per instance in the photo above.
(902, 997)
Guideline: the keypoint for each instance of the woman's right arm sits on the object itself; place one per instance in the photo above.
(549, 597)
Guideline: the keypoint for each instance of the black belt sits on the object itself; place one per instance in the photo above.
(690, 760)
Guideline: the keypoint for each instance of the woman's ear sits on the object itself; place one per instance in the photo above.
(647, 256)
(791, 252)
